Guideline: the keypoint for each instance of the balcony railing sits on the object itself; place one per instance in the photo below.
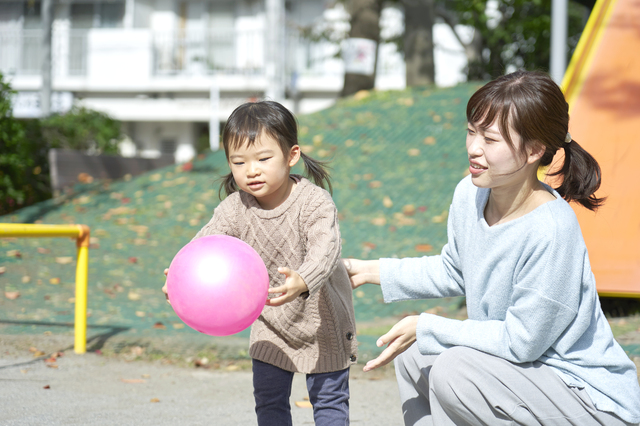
(77, 53)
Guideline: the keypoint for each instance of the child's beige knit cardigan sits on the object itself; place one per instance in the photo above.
(315, 333)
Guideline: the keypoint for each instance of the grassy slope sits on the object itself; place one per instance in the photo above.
(395, 157)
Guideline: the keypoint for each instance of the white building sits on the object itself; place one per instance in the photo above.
(169, 68)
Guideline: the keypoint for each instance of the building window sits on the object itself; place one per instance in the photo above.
(168, 146)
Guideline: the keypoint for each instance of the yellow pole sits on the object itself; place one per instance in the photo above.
(82, 272)
(81, 234)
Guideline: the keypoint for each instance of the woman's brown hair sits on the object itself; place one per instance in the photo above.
(532, 104)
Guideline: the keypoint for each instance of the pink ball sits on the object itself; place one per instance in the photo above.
(218, 285)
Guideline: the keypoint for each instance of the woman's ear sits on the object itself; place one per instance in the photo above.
(535, 152)
(294, 155)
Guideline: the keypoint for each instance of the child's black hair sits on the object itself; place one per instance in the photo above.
(251, 120)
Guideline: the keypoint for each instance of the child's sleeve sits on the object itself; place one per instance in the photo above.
(322, 242)
(220, 223)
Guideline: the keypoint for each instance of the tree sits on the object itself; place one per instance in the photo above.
(24, 177)
(82, 129)
(419, 17)
(25, 144)
(508, 34)
(365, 23)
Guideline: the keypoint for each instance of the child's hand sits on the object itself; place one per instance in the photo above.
(164, 287)
(362, 271)
(293, 287)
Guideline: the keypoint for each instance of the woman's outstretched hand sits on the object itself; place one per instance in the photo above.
(362, 271)
(400, 338)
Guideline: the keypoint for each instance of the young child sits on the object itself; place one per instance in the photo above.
(308, 326)
(536, 348)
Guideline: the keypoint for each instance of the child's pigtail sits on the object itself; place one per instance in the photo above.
(228, 185)
(581, 177)
(317, 171)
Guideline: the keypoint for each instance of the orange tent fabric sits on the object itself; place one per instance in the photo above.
(602, 86)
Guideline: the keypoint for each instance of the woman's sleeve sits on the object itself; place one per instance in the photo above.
(425, 277)
(322, 242)
(543, 307)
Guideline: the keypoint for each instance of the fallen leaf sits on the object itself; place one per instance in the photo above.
(155, 400)
(303, 404)
(409, 210)
(429, 140)
(361, 94)
(379, 221)
(14, 253)
(133, 296)
(38, 354)
(54, 281)
(133, 260)
(178, 326)
(375, 184)
(424, 247)
(26, 279)
(64, 260)
(133, 380)
(201, 362)
(413, 152)
(386, 201)
(146, 376)
(140, 314)
(12, 295)
(3, 269)
(46, 387)
(160, 326)
(52, 365)
(369, 245)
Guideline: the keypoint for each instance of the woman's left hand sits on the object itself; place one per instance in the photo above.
(400, 338)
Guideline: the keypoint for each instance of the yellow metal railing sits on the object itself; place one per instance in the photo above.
(81, 234)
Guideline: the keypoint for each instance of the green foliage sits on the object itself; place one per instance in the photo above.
(24, 177)
(513, 34)
(24, 147)
(82, 129)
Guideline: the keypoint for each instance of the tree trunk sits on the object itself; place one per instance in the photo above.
(418, 42)
(365, 23)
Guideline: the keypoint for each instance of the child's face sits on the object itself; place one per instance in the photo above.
(493, 162)
(262, 170)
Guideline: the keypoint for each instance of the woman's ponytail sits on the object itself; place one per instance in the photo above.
(581, 177)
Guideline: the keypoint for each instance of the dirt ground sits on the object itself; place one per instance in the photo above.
(43, 382)
(166, 381)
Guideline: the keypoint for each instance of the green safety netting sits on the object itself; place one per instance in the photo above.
(395, 159)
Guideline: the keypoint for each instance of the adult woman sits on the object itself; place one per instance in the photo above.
(536, 348)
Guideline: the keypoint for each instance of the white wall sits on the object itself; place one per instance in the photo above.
(149, 136)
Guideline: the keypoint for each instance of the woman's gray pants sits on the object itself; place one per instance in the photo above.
(463, 386)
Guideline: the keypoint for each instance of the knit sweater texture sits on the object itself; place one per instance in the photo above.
(315, 333)
(530, 294)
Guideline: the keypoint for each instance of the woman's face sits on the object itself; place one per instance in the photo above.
(493, 162)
